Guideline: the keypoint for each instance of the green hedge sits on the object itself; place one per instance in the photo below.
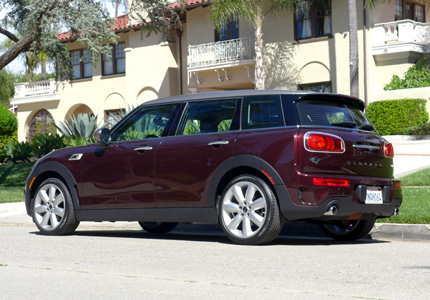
(8, 126)
(394, 116)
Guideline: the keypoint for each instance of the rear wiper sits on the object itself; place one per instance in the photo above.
(366, 127)
(348, 124)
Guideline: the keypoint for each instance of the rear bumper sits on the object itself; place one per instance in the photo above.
(346, 206)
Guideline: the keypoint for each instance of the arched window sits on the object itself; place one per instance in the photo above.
(42, 122)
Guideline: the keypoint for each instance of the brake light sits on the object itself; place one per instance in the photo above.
(324, 142)
(330, 181)
(388, 150)
(397, 185)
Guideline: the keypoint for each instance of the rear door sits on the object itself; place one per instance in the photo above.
(205, 138)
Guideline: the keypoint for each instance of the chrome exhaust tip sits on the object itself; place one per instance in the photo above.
(396, 211)
(331, 211)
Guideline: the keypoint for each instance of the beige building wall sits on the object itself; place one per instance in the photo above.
(151, 73)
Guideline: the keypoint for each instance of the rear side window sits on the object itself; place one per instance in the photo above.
(330, 114)
(207, 117)
(262, 112)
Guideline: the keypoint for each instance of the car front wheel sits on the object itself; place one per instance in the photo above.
(348, 230)
(53, 211)
(249, 212)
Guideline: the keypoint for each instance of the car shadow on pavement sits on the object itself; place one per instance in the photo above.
(215, 237)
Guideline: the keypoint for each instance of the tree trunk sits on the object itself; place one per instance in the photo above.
(353, 49)
(10, 54)
(43, 69)
(117, 3)
(259, 68)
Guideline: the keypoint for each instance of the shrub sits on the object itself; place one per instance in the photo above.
(419, 130)
(16, 151)
(416, 76)
(78, 131)
(45, 143)
(8, 126)
(394, 116)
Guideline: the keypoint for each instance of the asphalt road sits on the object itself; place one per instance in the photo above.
(97, 263)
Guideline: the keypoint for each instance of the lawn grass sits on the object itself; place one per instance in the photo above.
(12, 194)
(420, 178)
(12, 181)
(415, 208)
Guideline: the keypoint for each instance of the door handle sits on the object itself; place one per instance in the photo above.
(144, 148)
(366, 148)
(218, 143)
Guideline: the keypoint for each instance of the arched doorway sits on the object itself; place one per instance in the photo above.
(42, 122)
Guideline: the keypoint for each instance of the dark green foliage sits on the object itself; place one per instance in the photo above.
(19, 151)
(415, 77)
(8, 126)
(419, 130)
(7, 89)
(394, 116)
(45, 143)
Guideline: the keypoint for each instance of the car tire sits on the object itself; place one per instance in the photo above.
(158, 227)
(249, 212)
(52, 208)
(348, 230)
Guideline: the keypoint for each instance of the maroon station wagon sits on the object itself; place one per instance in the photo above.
(247, 160)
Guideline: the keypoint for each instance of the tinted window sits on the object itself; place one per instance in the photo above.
(207, 117)
(262, 112)
(326, 114)
(148, 122)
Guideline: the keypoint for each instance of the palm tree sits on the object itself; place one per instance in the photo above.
(254, 11)
(353, 48)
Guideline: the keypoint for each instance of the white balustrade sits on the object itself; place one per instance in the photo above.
(220, 52)
(27, 89)
(403, 31)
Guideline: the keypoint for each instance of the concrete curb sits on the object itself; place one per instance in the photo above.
(410, 232)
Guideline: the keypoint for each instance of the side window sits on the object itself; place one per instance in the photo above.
(207, 117)
(262, 112)
(148, 122)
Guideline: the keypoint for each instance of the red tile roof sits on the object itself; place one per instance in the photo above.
(189, 3)
(121, 24)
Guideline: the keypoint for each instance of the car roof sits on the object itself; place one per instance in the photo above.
(300, 95)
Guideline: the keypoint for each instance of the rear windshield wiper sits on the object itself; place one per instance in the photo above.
(366, 127)
(348, 124)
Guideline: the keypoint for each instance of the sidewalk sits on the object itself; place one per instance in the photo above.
(14, 214)
(410, 154)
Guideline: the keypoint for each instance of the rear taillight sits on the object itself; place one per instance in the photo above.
(324, 142)
(330, 181)
(397, 185)
(388, 150)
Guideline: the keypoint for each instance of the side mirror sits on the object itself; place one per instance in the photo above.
(102, 136)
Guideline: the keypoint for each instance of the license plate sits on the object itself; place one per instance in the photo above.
(373, 195)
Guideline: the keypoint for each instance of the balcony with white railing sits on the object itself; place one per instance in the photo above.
(400, 38)
(28, 92)
(219, 53)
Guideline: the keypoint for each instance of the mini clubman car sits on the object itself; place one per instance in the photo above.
(247, 160)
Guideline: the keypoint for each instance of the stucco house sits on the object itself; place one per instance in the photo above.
(305, 49)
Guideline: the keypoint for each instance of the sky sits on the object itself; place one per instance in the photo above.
(17, 66)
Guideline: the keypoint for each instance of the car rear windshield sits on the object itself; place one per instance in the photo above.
(320, 113)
